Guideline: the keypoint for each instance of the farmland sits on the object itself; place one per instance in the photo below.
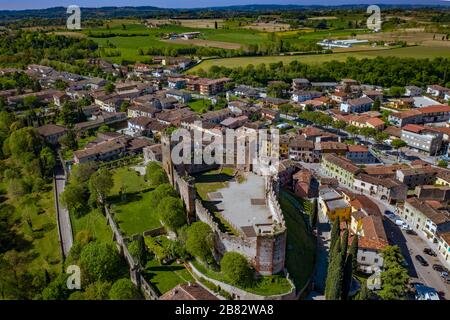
(418, 52)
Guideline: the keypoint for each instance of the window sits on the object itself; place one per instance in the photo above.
(363, 258)
(375, 260)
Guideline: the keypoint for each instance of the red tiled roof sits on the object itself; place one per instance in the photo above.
(188, 292)
(357, 148)
(413, 128)
(433, 109)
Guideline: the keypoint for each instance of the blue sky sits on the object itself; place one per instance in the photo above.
(33, 4)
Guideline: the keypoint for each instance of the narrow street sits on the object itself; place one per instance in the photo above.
(62, 212)
(323, 247)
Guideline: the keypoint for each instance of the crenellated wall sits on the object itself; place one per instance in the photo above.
(266, 251)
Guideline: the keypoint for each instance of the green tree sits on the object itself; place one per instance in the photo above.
(314, 213)
(349, 267)
(99, 290)
(162, 191)
(124, 289)
(236, 269)
(278, 89)
(381, 136)
(397, 91)
(109, 88)
(155, 174)
(353, 253)
(335, 233)
(340, 124)
(398, 143)
(99, 261)
(82, 172)
(442, 163)
(171, 212)
(138, 250)
(394, 277)
(200, 241)
(344, 245)
(75, 197)
(57, 289)
(69, 140)
(364, 293)
(47, 161)
(376, 105)
(333, 283)
(100, 184)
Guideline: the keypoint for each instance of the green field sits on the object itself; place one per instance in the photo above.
(95, 223)
(166, 277)
(36, 213)
(418, 52)
(135, 214)
(127, 180)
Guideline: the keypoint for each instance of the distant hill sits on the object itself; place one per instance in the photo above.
(152, 12)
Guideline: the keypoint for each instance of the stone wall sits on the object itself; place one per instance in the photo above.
(239, 294)
(135, 272)
(185, 186)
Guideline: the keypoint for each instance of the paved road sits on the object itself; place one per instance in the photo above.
(63, 214)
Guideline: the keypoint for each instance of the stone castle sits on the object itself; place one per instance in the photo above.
(263, 243)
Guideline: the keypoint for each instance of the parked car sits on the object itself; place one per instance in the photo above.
(439, 268)
(405, 227)
(429, 252)
(444, 274)
(422, 260)
(411, 232)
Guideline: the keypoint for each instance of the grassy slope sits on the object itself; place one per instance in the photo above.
(166, 277)
(43, 232)
(300, 244)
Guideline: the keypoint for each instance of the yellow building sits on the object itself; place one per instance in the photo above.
(443, 179)
(333, 204)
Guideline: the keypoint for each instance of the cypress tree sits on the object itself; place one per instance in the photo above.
(347, 278)
(354, 253)
(333, 285)
(344, 245)
(364, 293)
(335, 233)
(313, 214)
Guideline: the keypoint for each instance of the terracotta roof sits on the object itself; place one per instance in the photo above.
(188, 292)
(375, 122)
(374, 234)
(343, 163)
(357, 148)
(363, 202)
(444, 175)
(141, 121)
(446, 237)
(413, 128)
(406, 114)
(393, 131)
(436, 216)
(50, 129)
(301, 143)
(434, 109)
(384, 170)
